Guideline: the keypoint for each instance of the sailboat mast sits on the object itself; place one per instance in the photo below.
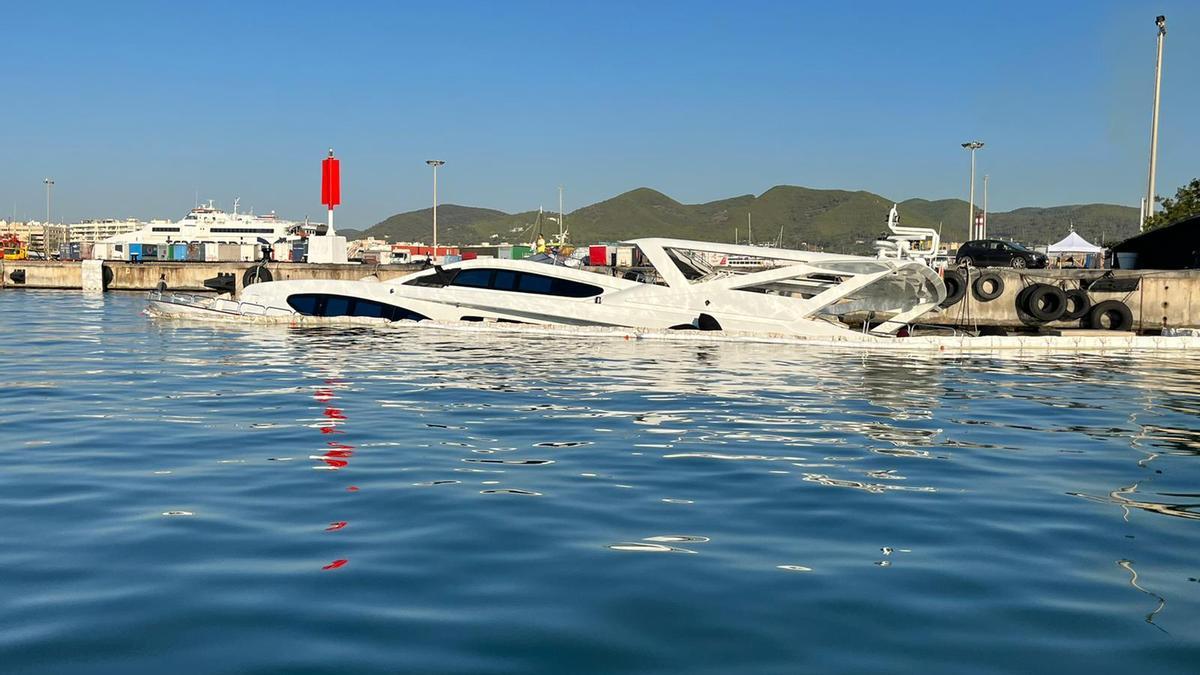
(560, 213)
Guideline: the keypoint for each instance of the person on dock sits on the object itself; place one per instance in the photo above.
(161, 286)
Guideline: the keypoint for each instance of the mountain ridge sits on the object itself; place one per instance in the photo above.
(837, 220)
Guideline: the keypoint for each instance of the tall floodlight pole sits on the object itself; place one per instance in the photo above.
(972, 146)
(1161, 22)
(560, 215)
(985, 182)
(435, 163)
(49, 182)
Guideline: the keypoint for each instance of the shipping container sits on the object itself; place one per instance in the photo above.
(250, 253)
(86, 250)
(470, 255)
(520, 251)
(195, 252)
(598, 255)
(447, 259)
(282, 251)
(228, 252)
(624, 256)
(179, 251)
(300, 251)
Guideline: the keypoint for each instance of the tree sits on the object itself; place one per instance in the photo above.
(1185, 205)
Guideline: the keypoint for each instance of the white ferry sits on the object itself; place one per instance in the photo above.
(208, 224)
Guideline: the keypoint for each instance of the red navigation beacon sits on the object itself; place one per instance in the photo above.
(331, 181)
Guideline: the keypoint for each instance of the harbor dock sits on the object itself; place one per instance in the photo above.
(178, 276)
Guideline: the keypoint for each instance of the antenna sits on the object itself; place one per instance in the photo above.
(235, 204)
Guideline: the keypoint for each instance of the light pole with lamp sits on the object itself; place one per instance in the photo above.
(983, 235)
(435, 163)
(1148, 209)
(972, 146)
(49, 182)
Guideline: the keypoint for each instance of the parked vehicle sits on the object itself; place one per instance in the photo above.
(996, 253)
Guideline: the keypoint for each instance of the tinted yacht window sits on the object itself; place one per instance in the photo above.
(479, 278)
(323, 304)
(305, 304)
(337, 305)
(535, 283)
(523, 282)
(505, 280)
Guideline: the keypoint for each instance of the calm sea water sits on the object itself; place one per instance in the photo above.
(194, 498)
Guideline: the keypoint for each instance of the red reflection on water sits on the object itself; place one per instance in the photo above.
(340, 453)
(335, 564)
(352, 488)
(334, 413)
(331, 430)
(340, 446)
(323, 395)
(336, 526)
(336, 463)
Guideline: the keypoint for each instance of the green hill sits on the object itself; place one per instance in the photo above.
(835, 220)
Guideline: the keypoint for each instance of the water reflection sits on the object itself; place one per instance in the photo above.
(1127, 565)
(1190, 510)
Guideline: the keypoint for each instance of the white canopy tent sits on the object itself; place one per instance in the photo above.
(1073, 243)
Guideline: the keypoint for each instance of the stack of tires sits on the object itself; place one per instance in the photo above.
(1039, 303)
(1045, 303)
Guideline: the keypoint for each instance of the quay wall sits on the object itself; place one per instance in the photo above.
(1161, 299)
(179, 276)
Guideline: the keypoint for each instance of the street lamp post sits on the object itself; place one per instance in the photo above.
(435, 163)
(49, 182)
(985, 185)
(972, 146)
(1161, 22)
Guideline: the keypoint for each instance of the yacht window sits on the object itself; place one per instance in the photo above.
(337, 305)
(305, 304)
(535, 283)
(479, 278)
(505, 280)
(321, 304)
(370, 308)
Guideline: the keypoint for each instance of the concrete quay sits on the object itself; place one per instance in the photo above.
(179, 276)
(1157, 299)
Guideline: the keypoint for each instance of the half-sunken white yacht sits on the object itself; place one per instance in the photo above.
(790, 293)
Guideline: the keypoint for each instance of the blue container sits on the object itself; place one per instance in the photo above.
(179, 251)
(135, 252)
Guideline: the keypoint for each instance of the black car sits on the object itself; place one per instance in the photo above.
(996, 253)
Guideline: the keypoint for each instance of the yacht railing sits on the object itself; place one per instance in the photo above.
(223, 305)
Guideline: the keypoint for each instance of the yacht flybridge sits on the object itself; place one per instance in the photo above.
(786, 295)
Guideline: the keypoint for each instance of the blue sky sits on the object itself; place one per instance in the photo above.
(135, 107)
